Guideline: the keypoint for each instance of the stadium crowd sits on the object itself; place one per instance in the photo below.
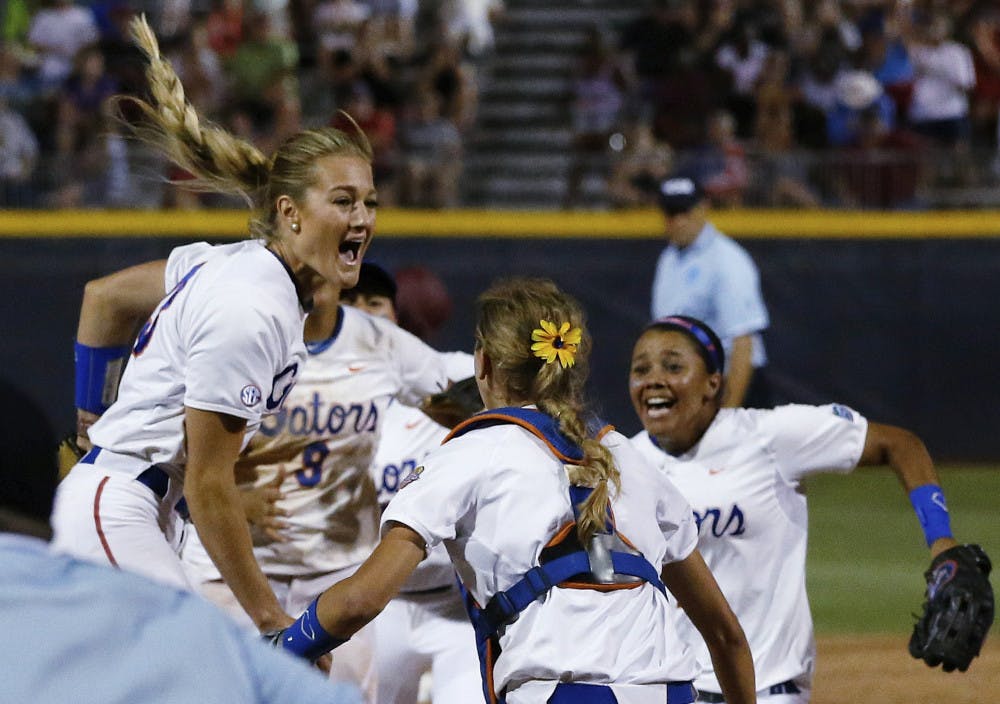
(404, 70)
(842, 103)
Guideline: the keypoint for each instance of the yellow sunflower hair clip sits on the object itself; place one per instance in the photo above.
(553, 343)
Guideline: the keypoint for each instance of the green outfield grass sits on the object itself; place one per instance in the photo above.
(867, 552)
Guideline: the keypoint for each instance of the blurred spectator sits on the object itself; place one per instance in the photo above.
(779, 175)
(431, 148)
(944, 75)
(58, 31)
(100, 177)
(598, 95)
(17, 87)
(199, 68)
(225, 26)
(15, 21)
(857, 92)
(392, 25)
(742, 55)
(719, 164)
(832, 23)
(637, 173)
(984, 31)
(887, 59)
(379, 124)
(817, 85)
(262, 73)
(18, 158)
(337, 23)
(446, 73)
(83, 101)
(882, 168)
(654, 44)
(469, 24)
(172, 19)
(384, 67)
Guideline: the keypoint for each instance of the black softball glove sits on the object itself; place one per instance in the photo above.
(455, 404)
(958, 612)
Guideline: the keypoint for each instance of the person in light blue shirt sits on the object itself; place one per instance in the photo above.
(705, 274)
(89, 634)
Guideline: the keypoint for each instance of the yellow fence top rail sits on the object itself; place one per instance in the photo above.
(634, 224)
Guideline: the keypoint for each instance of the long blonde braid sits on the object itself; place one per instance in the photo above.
(221, 162)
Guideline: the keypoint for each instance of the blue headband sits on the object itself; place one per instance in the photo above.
(701, 335)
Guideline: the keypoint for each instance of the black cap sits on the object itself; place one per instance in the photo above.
(374, 281)
(678, 194)
(29, 468)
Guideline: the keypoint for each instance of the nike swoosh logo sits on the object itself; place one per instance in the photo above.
(412, 424)
(353, 368)
(716, 471)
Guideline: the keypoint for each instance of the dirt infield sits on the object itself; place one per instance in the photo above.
(878, 669)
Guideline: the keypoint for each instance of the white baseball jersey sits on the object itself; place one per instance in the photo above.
(227, 338)
(408, 434)
(325, 438)
(494, 496)
(744, 483)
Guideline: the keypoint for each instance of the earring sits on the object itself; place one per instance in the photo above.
(295, 227)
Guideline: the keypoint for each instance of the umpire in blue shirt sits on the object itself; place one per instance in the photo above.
(707, 275)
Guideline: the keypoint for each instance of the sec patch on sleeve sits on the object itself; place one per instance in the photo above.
(250, 395)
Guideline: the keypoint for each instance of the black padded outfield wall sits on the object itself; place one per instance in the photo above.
(907, 331)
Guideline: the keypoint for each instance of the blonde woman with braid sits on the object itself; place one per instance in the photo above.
(562, 536)
(221, 348)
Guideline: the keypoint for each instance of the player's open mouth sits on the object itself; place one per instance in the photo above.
(657, 406)
(350, 250)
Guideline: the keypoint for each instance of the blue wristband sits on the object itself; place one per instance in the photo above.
(307, 638)
(98, 371)
(932, 512)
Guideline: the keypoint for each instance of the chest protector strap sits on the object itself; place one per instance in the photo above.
(608, 563)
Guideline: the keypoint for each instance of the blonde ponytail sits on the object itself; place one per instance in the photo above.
(219, 161)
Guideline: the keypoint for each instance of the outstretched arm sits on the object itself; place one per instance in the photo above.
(696, 590)
(959, 607)
(350, 604)
(342, 610)
(907, 456)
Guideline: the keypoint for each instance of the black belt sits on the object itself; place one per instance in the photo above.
(154, 477)
(787, 687)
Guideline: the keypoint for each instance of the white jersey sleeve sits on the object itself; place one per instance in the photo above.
(220, 381)
(182, 259)
(421, 369)
(437, 495)
(811, 439)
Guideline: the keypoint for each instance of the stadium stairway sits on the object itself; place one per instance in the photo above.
(518, 155)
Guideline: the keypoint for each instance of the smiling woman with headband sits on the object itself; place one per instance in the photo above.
(742, 472)
(563, 537)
